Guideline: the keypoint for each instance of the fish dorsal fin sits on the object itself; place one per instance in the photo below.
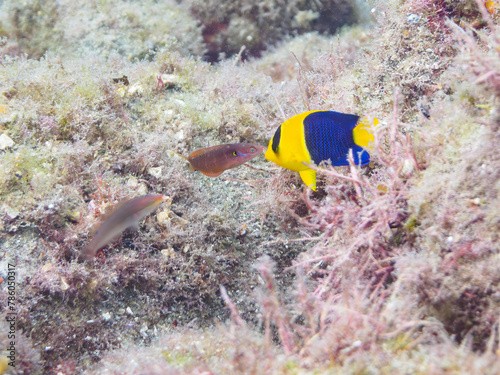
(309, 177)
(201, 151)
(331, 118)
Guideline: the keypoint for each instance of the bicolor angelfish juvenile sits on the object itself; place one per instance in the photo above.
(124, 215)
(212, 161)
(316, 136)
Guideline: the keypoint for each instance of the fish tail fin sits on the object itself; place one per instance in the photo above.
(176, 153)
(182, 156)
(363, 132)
(309, 177)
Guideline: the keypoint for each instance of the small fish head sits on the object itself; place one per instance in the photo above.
(247, 150)
(240, 153)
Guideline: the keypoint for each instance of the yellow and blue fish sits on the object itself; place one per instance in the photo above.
(316, 136)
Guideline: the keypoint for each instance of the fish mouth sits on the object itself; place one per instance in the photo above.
(258, 151)
(161, 198)
(156, 200)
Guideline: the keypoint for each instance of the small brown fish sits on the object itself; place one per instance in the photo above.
(212, 161)
(125, 215)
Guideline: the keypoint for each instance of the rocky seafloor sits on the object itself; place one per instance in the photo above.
(393, 268)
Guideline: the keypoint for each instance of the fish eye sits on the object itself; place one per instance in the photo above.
(252, 149)
(235, 153)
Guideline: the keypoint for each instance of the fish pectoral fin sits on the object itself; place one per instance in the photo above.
(212, 174)
(309, 177)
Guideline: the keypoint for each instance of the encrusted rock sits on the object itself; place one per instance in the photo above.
(5, 142)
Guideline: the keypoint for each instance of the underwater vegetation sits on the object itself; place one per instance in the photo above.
(391, 267)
